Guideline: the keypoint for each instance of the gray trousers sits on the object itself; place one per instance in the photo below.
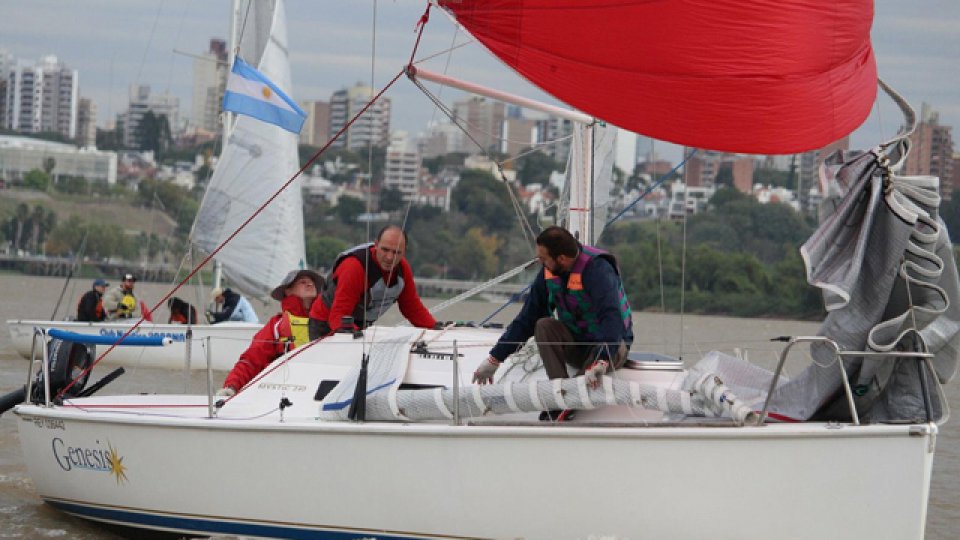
(558, 349)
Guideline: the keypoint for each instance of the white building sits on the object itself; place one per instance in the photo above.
(686, 200)
(440, 139)
(41, 97)
(401, 167)
(20, 155)
(371, 128)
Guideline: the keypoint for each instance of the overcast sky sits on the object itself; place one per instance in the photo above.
(116, 43)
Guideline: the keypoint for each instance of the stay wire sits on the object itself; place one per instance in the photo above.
(236, 232)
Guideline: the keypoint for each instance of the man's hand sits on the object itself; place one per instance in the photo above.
(484, 373)
(594, 372)
(226, 392)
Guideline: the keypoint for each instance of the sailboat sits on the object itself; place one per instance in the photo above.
(382, 435)
(255, 158)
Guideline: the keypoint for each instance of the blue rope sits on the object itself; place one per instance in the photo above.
(649, 190)
(507, 303)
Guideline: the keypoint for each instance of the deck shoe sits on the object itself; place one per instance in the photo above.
(558, 416)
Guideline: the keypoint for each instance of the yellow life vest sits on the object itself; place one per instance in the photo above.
(127, 306)
(291, 331)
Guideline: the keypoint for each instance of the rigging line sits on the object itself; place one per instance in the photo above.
(446, 66)
(683, 263)
(534, 148)
(366, 255)
(420, 26)
(153, 30)
(663, 296)
(455, 120)
(243, 27)
(482, 287)
(176, 39)
(242, 226)
(650, 189)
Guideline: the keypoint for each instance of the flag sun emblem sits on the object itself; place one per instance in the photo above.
(266, 92)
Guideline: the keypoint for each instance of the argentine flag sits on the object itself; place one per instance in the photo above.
(249, 92)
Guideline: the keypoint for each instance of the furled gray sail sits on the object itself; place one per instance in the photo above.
(884, 261)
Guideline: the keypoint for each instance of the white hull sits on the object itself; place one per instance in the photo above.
(250, 472)
(227, 341)
(424, 480)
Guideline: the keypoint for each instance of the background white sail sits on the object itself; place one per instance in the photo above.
(257, 159)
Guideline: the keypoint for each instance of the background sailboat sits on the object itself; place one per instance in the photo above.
(256, 159)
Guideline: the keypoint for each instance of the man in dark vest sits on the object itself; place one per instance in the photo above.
(364, 282)
(592, 328)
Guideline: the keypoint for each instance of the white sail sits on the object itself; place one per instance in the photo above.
(257, 159)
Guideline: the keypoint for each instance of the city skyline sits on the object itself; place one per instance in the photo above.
(116, 44)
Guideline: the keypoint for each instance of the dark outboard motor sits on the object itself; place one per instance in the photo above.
(66, 360)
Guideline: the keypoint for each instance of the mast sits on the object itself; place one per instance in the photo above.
(227, 117)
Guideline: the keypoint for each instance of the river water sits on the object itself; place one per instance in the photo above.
(22, 515)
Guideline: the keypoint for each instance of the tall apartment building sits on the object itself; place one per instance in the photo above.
(931, 152)
(142, 101)
(86, 123)
(401, 168)
(316, 129)
(373, 127)
(6, 64)
(701, 170)
(209, 81)
(41, 97)
(518, 135)
(482, 119)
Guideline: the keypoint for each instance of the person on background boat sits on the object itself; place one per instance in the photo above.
(181, 312)
(284, 331)
(90, 307)
(120, 302)
(233, 307)
(376, 273)
(592, 329)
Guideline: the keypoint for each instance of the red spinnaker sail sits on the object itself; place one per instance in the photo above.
(752, 76)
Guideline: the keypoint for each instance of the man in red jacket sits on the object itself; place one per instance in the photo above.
(364, 282)
(284, 331)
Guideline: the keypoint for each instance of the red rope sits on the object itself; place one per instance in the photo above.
(138, 406)
(420, 24)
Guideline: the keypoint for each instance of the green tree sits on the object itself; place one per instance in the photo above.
(322, 250)
(348, 208)
(474, 255)
(36, 179)
(19, 224)
(48, 165)
(484, 200)
(154, 134)
(391, 199)
(535, 168)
